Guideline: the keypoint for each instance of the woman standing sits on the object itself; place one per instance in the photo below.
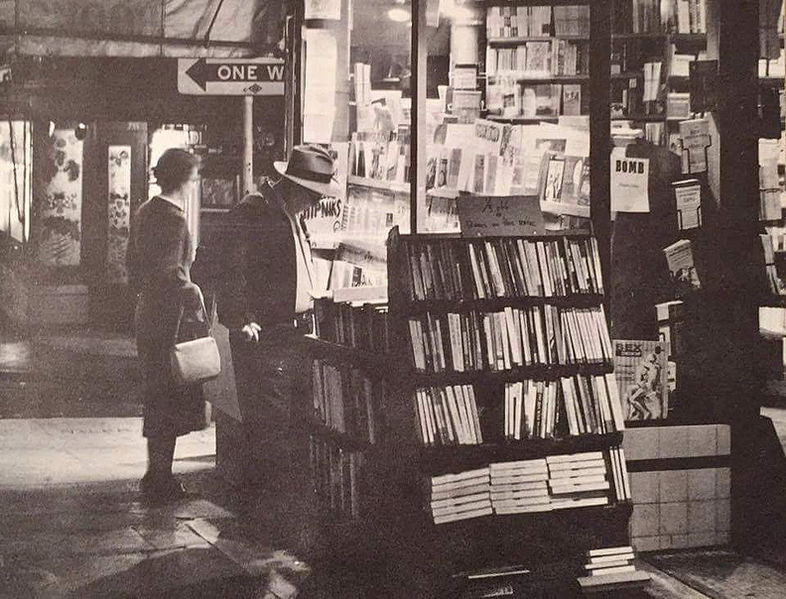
(160, 252)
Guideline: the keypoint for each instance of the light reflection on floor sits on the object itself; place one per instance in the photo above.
(36, 453)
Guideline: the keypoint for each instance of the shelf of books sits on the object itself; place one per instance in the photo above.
(537, 60)
(772, 195)
(480, 400)
(654, 44)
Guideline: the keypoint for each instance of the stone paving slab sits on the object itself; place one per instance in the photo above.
(723, 574)
(143, 575)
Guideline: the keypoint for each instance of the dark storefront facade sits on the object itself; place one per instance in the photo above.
(85, 116)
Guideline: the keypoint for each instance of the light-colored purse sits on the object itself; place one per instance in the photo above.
(195, 361)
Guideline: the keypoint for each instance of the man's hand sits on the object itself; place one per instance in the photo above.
(251, 331)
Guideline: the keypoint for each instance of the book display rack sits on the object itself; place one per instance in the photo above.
(482, 428)
(437, 414)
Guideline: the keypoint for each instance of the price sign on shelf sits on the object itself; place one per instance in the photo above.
(482, 216)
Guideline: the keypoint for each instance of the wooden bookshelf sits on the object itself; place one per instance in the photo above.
(515, 41)
(639, 36)
(434, 460)
(399, 459)
(538, 372)
(319, 348)
(554, 79)
(397, 186)
(628, 75)
(318, 428)
(522, 120)
(581, 300)
(439, 460)
(643, 118)
(692, 39)
(772, 81)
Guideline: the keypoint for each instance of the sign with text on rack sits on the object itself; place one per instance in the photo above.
(230, 76)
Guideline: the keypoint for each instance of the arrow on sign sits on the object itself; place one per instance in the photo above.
(203, 72)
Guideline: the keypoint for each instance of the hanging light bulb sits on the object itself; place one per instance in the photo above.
(399, 13)
(456, 10)
(51, 128)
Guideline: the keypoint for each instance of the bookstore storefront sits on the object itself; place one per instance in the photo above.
(537, 340)
(83, 154)
(89, 103)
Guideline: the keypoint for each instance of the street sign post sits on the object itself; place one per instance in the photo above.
(230, 76)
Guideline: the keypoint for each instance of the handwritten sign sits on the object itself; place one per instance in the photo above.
(482, 216)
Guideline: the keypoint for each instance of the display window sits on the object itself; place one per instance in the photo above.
(15, 179)
(559, 116)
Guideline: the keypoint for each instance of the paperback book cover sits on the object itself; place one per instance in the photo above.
(641, 371)
(679, 256)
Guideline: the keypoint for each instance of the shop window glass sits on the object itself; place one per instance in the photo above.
(665, 180)
(507, 110)
(15, 179)
(356, 101)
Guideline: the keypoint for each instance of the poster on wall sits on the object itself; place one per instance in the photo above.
(59, 210)
(119, 212)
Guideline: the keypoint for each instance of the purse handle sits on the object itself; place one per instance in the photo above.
(204, 313)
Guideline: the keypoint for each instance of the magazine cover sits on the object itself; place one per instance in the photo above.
(641, 371)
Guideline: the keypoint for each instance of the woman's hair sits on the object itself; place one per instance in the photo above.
(174, 168)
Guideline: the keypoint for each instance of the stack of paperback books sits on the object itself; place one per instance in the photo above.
(448, 416)
(578, 480)
(527, 486)
(520, 487)
(460, 496)
(610, 560)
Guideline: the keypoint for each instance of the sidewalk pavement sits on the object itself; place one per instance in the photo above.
(72, 525)
(69, 373)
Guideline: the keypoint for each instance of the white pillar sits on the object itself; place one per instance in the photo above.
(248, 145)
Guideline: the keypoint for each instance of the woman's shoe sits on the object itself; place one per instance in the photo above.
(158, 488)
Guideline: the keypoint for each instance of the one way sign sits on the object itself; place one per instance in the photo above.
(230, 76)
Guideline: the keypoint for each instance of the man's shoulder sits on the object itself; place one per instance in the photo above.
(262, 204)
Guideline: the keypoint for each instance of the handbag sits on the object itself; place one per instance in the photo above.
(197, 360)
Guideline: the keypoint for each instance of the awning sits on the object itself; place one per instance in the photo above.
(141, 28)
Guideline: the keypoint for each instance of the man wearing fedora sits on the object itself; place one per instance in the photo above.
(265, 300)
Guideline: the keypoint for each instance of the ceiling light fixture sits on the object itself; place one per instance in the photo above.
(398, 14)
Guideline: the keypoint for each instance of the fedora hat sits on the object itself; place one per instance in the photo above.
(311, 167)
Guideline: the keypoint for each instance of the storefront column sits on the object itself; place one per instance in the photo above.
(248, 145)
(419, 142)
